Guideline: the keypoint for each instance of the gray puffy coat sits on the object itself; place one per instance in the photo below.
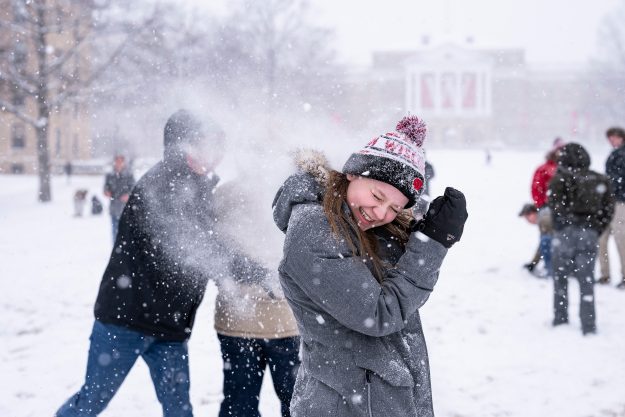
(363, 349)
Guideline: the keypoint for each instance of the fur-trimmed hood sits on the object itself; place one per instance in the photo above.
(313, 162)
(305, 186)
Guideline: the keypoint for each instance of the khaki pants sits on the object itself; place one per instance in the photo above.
(617, 229)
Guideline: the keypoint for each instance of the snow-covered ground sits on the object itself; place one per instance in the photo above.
(492, 349)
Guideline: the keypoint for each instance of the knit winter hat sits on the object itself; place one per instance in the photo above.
(184, 128)
(395, 158)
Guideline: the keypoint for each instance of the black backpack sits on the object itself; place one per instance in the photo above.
(587, 193)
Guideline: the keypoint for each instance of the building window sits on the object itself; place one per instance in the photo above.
(448, 90)
(18, 98)
(427, 91)
(19, 55)
(57, 149)
(18, 137)
(19, 12)
(469, 90)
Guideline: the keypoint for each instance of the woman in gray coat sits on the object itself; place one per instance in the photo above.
(355, 274)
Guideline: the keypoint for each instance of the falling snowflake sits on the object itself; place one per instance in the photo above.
(123, 282)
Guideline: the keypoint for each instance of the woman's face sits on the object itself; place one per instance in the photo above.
(373, 203)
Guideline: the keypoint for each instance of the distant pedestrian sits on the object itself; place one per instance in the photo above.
(117, 187)
(68, 168)
(582, 206)
(615, 170)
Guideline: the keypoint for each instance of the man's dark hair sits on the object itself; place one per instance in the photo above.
(616, 131)
(528, 209)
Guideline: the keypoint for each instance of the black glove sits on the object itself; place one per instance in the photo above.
(444, 221)
(530, 266)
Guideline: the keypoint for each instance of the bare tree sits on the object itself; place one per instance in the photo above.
(260, 57)
(45, 58)
(606, 76)
(272, 47)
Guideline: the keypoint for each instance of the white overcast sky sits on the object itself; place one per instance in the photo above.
(551, 31)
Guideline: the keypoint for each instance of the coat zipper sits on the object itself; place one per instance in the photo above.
(368, 374)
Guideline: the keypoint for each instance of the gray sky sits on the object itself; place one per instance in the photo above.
(553, 31)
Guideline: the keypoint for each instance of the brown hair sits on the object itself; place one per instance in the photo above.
(615, 131)
(552, 155)
(344, 227)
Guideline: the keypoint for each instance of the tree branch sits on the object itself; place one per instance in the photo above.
(73, 89)
(22, 81)
(6, 107)
(66, 56)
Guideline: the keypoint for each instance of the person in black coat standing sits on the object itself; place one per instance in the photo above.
(165, 251)
(615, 170)
(582, 206)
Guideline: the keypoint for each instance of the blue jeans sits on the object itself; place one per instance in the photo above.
(574, 254)
(112, 354)
(545, 253)
(114, 226)
(245, 361)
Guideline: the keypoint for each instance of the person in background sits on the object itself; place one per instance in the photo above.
(117, 187)
(254, 323)
(356, 268)
(164, 254)
(68, 168)
(615, 170)
(530, 213)
(582, 206)
(422, 203)
(540, 185)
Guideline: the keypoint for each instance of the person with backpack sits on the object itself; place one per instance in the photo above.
(117, 187)
(582, 207)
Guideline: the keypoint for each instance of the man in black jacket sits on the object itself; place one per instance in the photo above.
(165, 251)
(615, 170)
(582, 206)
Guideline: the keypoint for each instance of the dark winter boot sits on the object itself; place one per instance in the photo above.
(621, 285)
(589, 331)
(530, 266)
(603, 280)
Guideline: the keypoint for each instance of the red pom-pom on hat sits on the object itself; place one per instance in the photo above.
(417, 183)
(414, 129)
